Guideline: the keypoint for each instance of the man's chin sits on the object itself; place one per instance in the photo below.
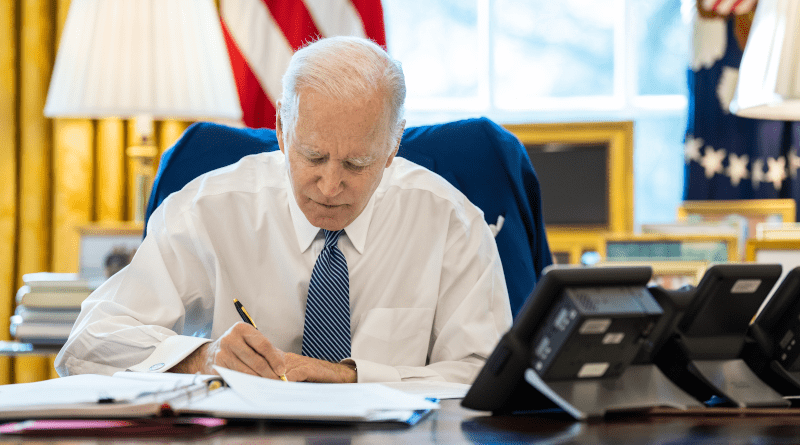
(330, 226)
(329, 223)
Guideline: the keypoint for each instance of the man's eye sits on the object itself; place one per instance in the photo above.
(354, 167)
(316, 160)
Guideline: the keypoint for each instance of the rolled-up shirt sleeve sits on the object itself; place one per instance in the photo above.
(133, 320)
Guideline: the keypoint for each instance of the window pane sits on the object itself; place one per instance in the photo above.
(658, 168)
(436, 41)
(545, 48)
(662, 46)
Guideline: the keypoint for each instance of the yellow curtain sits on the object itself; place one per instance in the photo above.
(57, 174)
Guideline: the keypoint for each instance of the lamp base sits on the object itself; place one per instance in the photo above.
(143, 157)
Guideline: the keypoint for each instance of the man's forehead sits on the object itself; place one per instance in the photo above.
(356, 151)
(344, 129)
(340, 145)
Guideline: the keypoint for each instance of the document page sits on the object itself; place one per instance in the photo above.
(166, 377)
(431, 389)
(85, 388)
(278, 399)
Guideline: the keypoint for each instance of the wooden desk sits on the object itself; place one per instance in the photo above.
(454, 424)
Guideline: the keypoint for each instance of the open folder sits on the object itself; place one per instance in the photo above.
(135, 395)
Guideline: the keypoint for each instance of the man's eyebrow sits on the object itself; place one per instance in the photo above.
(361, 161)
(310, 152)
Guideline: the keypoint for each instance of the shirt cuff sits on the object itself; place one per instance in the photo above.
(371, 372)
(169, 353)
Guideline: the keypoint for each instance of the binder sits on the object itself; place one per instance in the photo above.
(89, 396)
(232, 395)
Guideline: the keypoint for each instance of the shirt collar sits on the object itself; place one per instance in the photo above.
(356, 231)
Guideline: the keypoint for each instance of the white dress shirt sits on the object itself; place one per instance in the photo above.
(427, 294)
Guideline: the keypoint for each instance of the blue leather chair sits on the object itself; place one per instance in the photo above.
(480, 158)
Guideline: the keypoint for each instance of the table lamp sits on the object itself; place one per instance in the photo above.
(142, 59)
(769, 74)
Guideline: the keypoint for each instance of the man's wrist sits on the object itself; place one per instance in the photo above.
(194, 362)
(351, 364)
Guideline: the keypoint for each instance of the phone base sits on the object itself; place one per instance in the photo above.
(734, 380)
(639, 388)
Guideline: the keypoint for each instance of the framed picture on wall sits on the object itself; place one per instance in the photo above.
(750, 211)
(785, 252)
(671, 247)
(782, 230)
(670, 274)
(106, 248)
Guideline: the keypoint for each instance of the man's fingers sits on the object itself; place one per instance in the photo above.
(261, 345)
(296, 375)
(253, 350)
(232, 362)
(243, 355)
(244, 349)
(307, 369)
(224, 355)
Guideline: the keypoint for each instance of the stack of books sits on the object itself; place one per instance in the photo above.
(47, 307)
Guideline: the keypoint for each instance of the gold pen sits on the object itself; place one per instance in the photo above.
(246, 317)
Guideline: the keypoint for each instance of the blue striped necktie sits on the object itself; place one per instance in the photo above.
(326, 334)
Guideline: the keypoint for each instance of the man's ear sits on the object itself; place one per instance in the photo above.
(278, 126)
(398, 137)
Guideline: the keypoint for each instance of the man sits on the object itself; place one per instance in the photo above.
(427, 296)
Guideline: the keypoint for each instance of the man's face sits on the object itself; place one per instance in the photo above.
(336, 154)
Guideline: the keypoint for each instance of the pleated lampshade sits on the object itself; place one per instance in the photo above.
(157, 58)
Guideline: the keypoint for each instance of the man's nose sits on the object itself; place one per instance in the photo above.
(330, 181)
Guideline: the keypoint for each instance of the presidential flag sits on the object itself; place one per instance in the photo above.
(726, 156)
(262, 35)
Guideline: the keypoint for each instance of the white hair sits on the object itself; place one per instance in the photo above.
(344, 68)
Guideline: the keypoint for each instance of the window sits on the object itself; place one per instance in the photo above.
(527, 61)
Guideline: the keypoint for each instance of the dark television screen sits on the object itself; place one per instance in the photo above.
(574, 182)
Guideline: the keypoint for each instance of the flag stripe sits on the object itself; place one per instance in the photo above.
(261, 42)
(257, 109)
(372, 16)
(262, 35)
(294, 20)
(336, 18)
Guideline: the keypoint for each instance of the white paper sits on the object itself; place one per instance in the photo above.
(431, 389)
(166, 378)
(85, 388)
(321, 400)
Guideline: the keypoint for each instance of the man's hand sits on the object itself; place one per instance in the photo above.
(307, 369)
(242, 348)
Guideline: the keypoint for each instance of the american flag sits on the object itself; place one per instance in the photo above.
(262, 35)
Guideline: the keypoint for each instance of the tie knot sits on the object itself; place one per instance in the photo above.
(331, 238)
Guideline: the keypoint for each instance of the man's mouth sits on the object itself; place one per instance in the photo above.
(327, 206)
